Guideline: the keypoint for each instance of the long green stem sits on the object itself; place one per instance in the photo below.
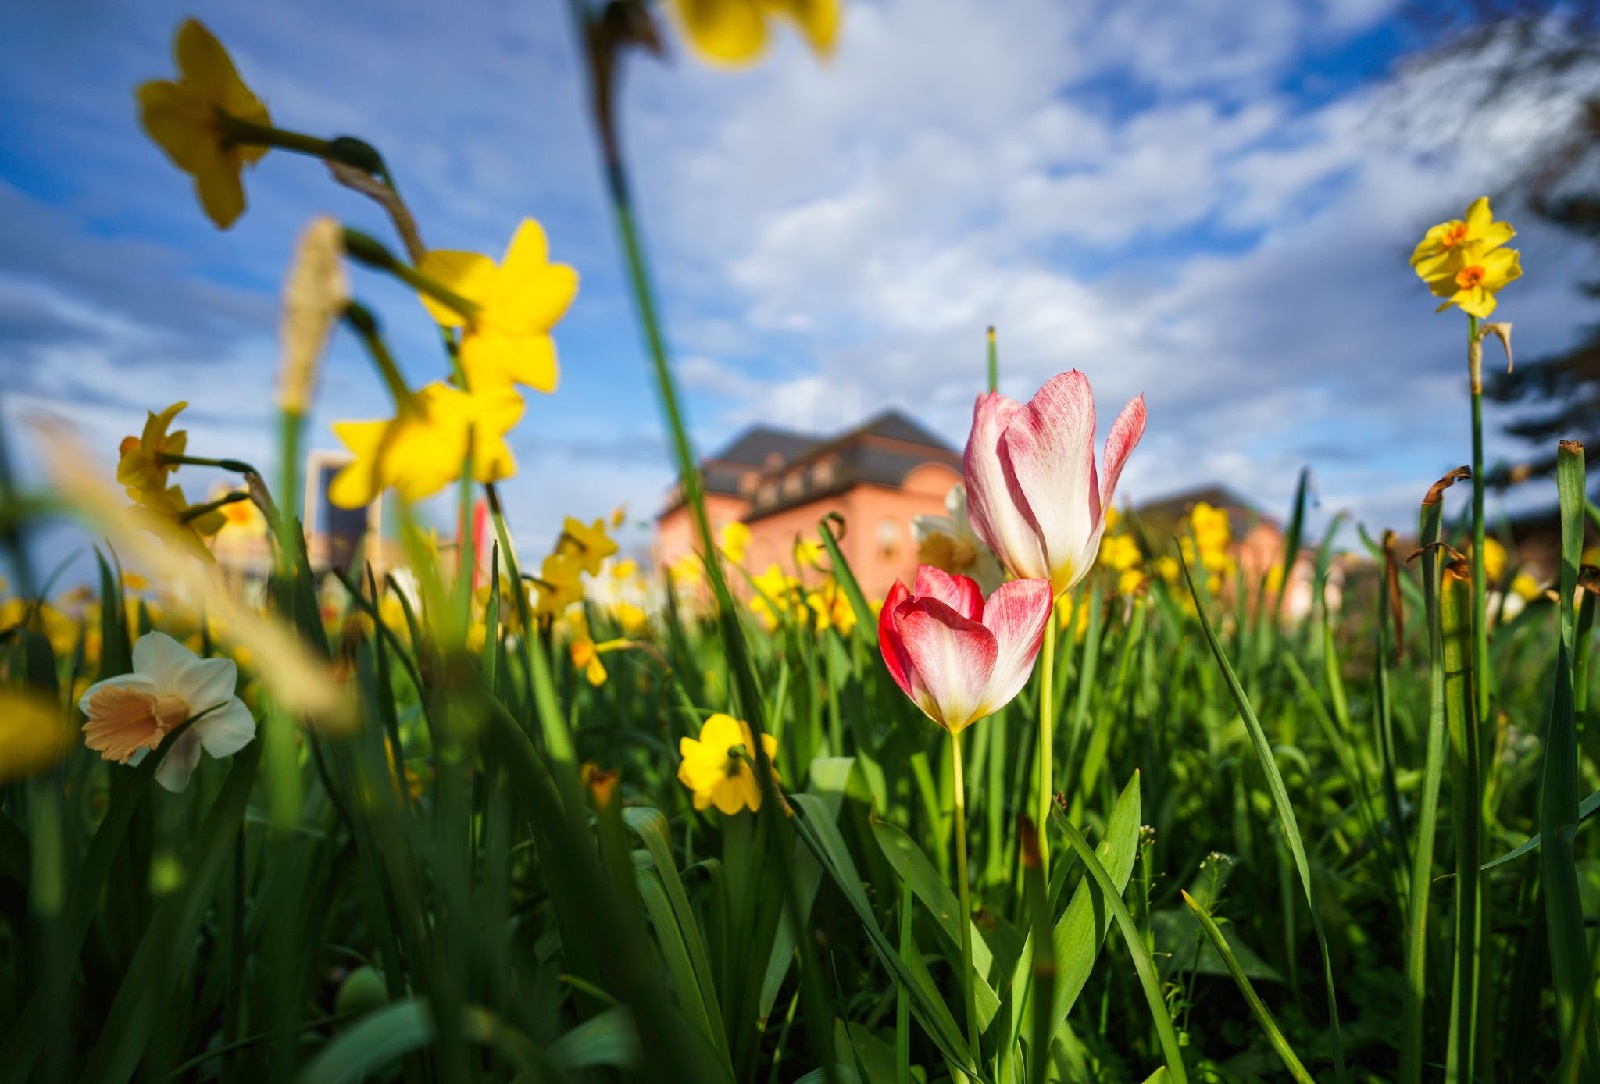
(1480, 612)
(968, 993)
(1047, 739)
(994, 364)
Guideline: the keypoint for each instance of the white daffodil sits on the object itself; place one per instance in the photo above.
(131, 715)
(949, 543)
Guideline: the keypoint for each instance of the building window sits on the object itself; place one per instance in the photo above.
(748, 482)
(768, 494)
(794, 483)
(888, 537)
(822, 473)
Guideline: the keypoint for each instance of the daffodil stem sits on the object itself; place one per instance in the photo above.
(194, 512)
(368, 250)
(1480, 622)
(365, 325)
(964, 919)
(1047, 738)
(236, 132)
(238, 466)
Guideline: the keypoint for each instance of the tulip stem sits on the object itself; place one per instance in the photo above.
(1047, 738)
(968, 994)
(994, 364)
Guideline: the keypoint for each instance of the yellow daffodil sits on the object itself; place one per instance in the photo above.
(188, 120)
(1494, 560)
(831, 608)
(775, 591)
(619, 516)
(734, 32)
(168, 515)
(718, 767)
(506, 340)
(631, 618)
(586, 657)
(32, 735)
(559, 585)
(625, 570)
(422, 449)
(1463, 262)
(588, 546)
(1445, 240)
(733, 540)
(142, 466)
(1525, 587)
(808, 553)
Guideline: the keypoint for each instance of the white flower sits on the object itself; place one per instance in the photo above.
(950, 544)
(131, 715)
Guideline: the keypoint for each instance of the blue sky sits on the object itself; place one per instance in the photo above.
(1208, 202)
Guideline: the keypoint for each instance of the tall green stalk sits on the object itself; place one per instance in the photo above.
(1466, 784)
(1480, 610)
(1047, 738)
(964, 919)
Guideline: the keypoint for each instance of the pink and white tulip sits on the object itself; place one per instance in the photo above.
(1033, 491)
(956, 656)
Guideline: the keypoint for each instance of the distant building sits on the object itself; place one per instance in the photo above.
(335, 537)
(780, 484)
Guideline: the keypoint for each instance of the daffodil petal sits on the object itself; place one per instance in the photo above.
(470, 274)
(731, 32)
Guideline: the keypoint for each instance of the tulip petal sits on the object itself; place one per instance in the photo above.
(958, 592)
(1048, 452)
(994, 513)
(890, 641)
(1125, 434)
(1017, 614)
(952, 659)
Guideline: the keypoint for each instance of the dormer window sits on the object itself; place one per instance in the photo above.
(794, 483)
(822, 472)
(748, 481)
(768, 494)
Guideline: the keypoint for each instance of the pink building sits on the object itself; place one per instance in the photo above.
(781, 484)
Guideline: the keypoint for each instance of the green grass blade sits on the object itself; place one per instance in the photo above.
(1258, 1007)
(1285, 812)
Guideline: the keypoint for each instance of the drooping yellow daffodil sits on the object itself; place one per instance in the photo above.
(776, 593)
(719, 766)
(559, 585)
(831, 608)
(588, 546)
(507, 339)
(422, 449)
(1463, 262)
(734, 32)
(169, 516)
(187, 119)
(142, 468)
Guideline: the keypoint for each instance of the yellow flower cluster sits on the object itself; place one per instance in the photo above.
(779, 596)
(1205, 539)
(718, 767)
(1464, 261)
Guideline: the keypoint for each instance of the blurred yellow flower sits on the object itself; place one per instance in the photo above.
(586, 657)
(188, 120)
(506, 339)
(169, 516)
(1525, 587)
(33, 736)
(1494, 560)
(775, 595)
(832, 608)
(734, 32)
(632, 618)
(1120, 553)
(423, 448)
(808, 553)
(733, 540)
(619, 516)
(141, 467)
(588, 546)
(1462, 260)
(559, 585)
(625, 569)
(718, 767)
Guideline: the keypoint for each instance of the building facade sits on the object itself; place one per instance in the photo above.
(781, 485)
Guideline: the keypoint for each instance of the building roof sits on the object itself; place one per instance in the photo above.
(880, 451)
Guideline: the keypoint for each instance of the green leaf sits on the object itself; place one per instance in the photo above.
(390, 1033)
(1586, 809)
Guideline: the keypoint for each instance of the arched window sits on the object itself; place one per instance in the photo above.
(889, 535)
